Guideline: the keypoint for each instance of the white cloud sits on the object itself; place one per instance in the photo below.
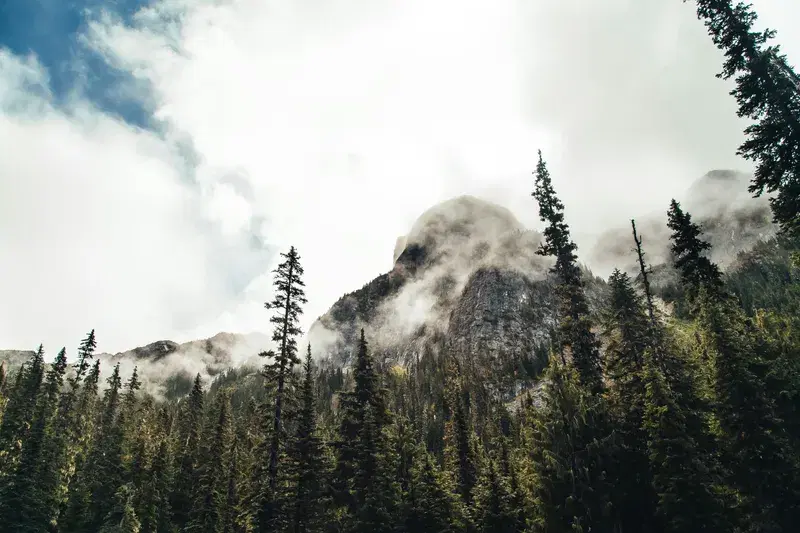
(341, 121)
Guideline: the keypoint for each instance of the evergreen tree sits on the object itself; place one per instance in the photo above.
(569, 491)
(375, 490)
(460, 453)
(103, 474)
(688, 499)
(25, 500)
(307, 462)
(628, 333)
(188, 454)
(155, 508)
(760, 455)
(20, 410)
(353, 405)
(122, 518)
(287, 303)
(768, 93)
(494, 505)
(574, 332)
(688, 254)
(210, 493)
(431, 504)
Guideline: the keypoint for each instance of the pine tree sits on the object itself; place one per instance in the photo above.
(20, 410)
(103, 474)
(74, 503)
(688, 254)
(493, 504)
(307, 463)
(375, 490)
(768, 93)
(575, 335)
(570, 491)
(759, 452)
(154, 495)
(189, 435)
(460, 453)
(122, 518)
(684, 483)
(353, 405)
(210, 493)
(287, 303)
(628, 331)
(431, 503)
(756, 441)
(27, 495)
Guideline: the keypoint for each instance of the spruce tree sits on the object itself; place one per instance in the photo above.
(494, 505)
(25, 500)
(308, 467)
(567, 458)
(94, 495)
(460, 452)
(688, 498)
(353, 405)
(689, 254)
(575, 335)
(20, 410)
(375, 488)
(287, 304)
(190, 429)
(211, 491)
(758, 449)
(122, 517)
(755, 439)
(431, 503)
(628, 337)
(768, 93)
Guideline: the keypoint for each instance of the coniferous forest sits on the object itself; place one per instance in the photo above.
(672, 410)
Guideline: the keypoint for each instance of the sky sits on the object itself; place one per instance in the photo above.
(158, 155)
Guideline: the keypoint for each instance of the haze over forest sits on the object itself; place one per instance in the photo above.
(169, 150)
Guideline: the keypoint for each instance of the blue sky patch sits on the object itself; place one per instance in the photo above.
(51, 29)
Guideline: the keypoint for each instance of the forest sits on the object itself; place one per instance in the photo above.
(674, 409)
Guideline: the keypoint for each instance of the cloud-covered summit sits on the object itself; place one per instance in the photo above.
(325, 125)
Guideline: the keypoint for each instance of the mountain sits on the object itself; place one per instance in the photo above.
(168, 367)
(467, 282)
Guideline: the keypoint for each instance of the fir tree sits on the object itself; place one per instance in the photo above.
(26, 498)
(688, 254)
(574, 333)
(122, 518)
(494, 505)
(570, 491)
(366, 393)
(189, 435)
(95, 494)
(759, 452)
(307, 462)
(684, 483)
(210, 493)
(768, 93)
(460, 455)
(376, 490)
(287, 303)
(431, 504)
(20, 410)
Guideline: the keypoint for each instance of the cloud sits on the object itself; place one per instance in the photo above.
(331, 125)
(99, 227)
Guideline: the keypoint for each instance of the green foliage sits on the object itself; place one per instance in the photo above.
(768, 93)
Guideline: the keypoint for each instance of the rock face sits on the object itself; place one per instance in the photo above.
(468, 281)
